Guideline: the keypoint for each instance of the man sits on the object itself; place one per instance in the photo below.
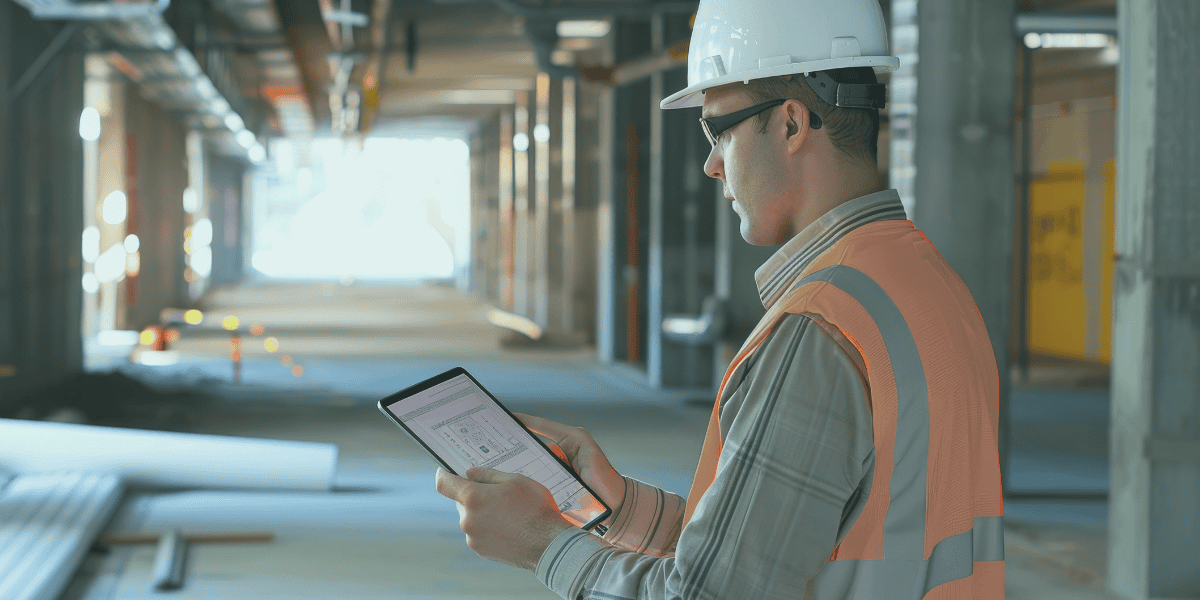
(852, 449)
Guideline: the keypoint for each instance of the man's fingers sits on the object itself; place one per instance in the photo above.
(546, 428)
(562, 435)
(450, 485)
(481, 475)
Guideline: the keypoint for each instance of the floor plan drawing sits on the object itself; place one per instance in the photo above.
(476, 438)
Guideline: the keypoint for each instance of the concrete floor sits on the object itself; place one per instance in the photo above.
(385, 533)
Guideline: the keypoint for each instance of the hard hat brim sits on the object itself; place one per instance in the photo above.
(692, 95)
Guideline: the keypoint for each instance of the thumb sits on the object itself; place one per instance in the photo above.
(482, 475)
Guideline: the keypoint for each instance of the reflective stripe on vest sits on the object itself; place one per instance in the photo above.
(952, 559)
(904, 525)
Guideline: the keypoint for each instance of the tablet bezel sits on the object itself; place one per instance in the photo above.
(412, 390)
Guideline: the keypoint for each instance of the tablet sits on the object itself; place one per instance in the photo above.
(462, 425)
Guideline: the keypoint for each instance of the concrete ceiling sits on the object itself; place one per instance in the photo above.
(467, 57)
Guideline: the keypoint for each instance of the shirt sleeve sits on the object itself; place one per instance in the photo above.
(649, 520)
(798, 446)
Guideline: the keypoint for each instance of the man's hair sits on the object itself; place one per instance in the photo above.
(854, 131)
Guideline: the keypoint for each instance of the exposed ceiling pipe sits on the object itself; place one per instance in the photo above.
(543, 34)
(331, 28)
(373, 82)
(63, 10)
(281, 86)
(1064, 23)
(541, 24)
(153, 58)
(344, 101)
(586, 10)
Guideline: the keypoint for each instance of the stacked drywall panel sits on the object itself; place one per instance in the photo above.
(47, 524)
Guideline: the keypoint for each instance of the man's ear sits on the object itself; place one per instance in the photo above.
(796, 114)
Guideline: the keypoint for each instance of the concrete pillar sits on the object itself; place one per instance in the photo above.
(654, 292)
(41, 224)
(606, 240)
(690, 230)
(567, 299)
(155, 167)
(541, 194)
(506, 209)
(959, 135)
(1154, 503)
(521, 147)
(623, 217)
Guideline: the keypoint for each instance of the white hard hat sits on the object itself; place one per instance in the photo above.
(740, 40)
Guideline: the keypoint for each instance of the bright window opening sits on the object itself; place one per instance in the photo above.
(396, 209)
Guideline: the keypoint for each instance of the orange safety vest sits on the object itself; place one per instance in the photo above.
(932, 526)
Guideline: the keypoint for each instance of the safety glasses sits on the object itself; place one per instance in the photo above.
(715, 126)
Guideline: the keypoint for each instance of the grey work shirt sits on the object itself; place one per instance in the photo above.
(794, 471)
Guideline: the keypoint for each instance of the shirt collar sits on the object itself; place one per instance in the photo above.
(775, 275)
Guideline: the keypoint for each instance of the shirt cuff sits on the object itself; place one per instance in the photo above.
(566, 558)
(643, 509)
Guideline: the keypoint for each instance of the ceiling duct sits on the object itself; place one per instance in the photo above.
(541, 23)
(281, 86)
(139, 43)
(69, 11)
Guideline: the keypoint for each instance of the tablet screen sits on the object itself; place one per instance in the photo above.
(460, 423)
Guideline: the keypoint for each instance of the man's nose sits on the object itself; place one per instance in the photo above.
(714, 167)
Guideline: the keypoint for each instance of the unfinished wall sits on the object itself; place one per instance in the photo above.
(226, 191)
(156, 168)
(41, 165)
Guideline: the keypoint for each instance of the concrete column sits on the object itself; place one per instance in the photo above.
(1154, 503)
(654, 293)
(960, 135)
(41, 186)
(541, 186)
(690, 233)
(9, 316)
(567, 204)
(506, 208)
(606, 229)
(521, 147)
(485, 217)
(623, 212)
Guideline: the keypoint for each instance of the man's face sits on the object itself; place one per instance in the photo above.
(750, 166)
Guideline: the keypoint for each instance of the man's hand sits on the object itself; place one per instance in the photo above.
(581, 451)
(507, 517)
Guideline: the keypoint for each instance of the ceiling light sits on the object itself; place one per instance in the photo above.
(1068, 40)
(91, 244)
(202, 233)
(234, 122)
(89, 124)
(345, 17)
(115, 208)
(1111, 55)
(246, 138)
(590, 28)
(191, 201)
(257, 153)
